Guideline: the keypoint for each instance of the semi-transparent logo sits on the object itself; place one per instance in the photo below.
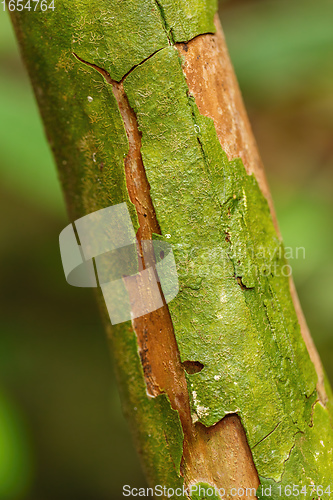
(101, 249)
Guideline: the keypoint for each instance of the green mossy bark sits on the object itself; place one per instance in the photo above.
(101, 33)
(245, 332)
(89, 143)
(234, 312)
(203, 491)
(156, 426)
(185, 19)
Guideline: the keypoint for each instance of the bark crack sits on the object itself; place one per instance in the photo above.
(269, 434)
(106, 74)
(167, 30)
(158, 349)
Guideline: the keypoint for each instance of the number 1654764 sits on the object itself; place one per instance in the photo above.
(295, 490)
(33, 5)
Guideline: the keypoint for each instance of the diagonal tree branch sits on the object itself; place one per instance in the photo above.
(223, 387)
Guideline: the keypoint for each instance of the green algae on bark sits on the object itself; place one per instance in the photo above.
(185, 19)
(234, 312)
(101, 30)
(101, 33)
(202, 491)
(80, 113)
(88, 138)
(155, 425)
(309, 467)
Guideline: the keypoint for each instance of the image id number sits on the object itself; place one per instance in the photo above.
(296, 490)
(33, 5)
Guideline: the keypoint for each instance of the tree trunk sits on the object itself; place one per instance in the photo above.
(223, 387)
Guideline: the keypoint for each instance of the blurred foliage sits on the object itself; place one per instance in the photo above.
(15, 460)
(282, 50)
(62, 434)
(30, 166)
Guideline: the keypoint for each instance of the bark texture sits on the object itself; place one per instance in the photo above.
(224, 387)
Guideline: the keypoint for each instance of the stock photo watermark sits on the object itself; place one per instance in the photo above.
(138, 277)
(206, 492)
(203, 261)
(102, 251)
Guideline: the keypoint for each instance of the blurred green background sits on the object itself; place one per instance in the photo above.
(62, 434)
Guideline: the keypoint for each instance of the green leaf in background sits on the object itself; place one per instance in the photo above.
(280, 48)
(26, 164)
(15, 456)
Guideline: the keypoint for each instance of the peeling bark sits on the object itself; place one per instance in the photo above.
(204, 449)
(211, 80)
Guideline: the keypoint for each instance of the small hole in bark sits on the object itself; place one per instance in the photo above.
(241, 284)
(162, 254)
(193, 367)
